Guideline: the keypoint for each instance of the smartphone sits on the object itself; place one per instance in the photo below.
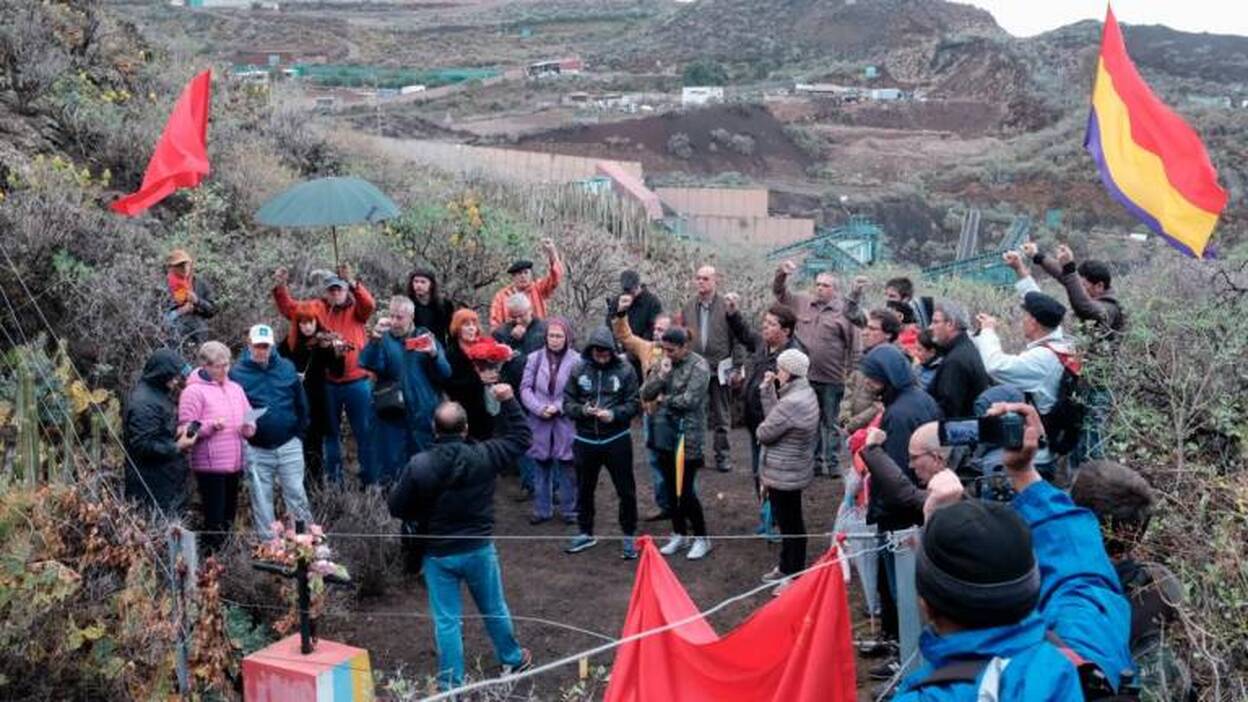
(424, 342)
(192, 429)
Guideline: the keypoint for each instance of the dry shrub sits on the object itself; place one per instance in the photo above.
(375, 562)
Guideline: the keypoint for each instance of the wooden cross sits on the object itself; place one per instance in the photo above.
(300, 574)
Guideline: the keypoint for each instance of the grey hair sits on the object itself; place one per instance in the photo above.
(955, 313)
(403, 303)
(519, 302)
(213, 352)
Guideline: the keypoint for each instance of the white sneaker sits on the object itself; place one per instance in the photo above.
(674, 544)
(701, 546)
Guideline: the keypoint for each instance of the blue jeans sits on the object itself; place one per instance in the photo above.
(285, 464)
(1091, 445)
(656, 474)
(828, 447)
(479, 570)
(357, 398)
(549, 473)
(528, 468)
(394, 445)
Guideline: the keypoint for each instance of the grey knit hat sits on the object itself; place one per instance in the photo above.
(793, 362)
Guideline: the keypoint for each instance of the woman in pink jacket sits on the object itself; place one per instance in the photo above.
(213, 409)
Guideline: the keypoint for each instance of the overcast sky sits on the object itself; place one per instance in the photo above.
(1028, 17)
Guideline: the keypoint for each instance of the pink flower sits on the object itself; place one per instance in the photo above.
(316, 530)
(323, 551)
(323, 567)
(276, 527)
(303, 539)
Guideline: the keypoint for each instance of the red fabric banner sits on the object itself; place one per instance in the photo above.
(181, 156)
(798, 647)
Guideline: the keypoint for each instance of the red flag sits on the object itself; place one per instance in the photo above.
(181, 157)
(797, 648)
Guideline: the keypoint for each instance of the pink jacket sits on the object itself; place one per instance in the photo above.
(205, 401)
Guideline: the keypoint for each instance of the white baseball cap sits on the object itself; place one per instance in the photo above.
(260, 334)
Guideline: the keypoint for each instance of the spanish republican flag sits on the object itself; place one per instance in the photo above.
(1149, 158)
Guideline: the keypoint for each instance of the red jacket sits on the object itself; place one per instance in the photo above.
(347, 321)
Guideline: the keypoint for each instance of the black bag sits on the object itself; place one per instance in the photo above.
(388, 400)
(1064, 422)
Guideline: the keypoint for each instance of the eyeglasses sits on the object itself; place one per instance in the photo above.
(702, 277)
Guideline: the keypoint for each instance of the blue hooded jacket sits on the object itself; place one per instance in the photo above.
(906, 407)
(277, 388)
(1080, 600)
(421, 373)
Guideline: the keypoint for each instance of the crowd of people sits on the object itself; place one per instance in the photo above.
(915, 405)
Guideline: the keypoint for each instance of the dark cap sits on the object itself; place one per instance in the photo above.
(334, 281)
(1047, 311)
(521, 265)
(629, 280)
(976, 565)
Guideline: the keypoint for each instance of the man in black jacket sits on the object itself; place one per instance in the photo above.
(643, 309)
(156, 471)
(525, 334)
(449, 490)
(601, 398)
(961, 376)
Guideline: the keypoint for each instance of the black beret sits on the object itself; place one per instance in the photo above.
(1047, 311)
(521, 265)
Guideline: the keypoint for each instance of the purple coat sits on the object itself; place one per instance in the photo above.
(552, 438)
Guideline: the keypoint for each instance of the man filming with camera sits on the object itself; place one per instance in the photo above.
(1022, 602)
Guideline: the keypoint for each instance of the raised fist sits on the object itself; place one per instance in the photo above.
(625, 302)
(281, 276)
(502, 392)
(1030, 249)
(1064, 255)
(788, 267)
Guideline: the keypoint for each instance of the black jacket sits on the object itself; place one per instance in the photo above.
(465, 387)
(611, 387)
(959, 379)
(434, 315)
(449, 489)
(534, 338)
(193, 328)
(150, 420)
(897, 494)
(906, 407)
(756, 366)
(641, 314)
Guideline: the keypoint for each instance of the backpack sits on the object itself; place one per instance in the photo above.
(1092, 681)
(1063, 423)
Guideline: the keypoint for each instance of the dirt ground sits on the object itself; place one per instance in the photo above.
(591, 590)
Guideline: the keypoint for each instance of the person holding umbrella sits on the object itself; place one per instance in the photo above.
(679, 385)
(345, 309)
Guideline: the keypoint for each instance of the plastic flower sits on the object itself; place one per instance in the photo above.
(303, 539)
(277, 527)
(323, 567)
(316, 530)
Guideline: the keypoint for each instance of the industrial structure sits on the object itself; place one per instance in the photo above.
(989, 266)
(849, 247)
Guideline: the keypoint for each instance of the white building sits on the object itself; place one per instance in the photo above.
(701, 95)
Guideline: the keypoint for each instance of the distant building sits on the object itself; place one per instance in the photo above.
(570, 66)
(827, 89)
(693, 96)
(884, 94)
(410, 89)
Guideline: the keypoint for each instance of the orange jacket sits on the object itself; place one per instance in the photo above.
(347, 321)
(539, 292)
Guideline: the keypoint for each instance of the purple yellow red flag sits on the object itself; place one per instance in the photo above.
(680, 466)
(1150, 160)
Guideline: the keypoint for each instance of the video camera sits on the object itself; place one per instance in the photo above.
(1003, 431)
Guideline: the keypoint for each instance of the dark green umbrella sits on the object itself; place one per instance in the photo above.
(328, 202)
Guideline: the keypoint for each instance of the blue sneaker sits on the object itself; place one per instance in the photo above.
(629, 550)
(580, 543)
